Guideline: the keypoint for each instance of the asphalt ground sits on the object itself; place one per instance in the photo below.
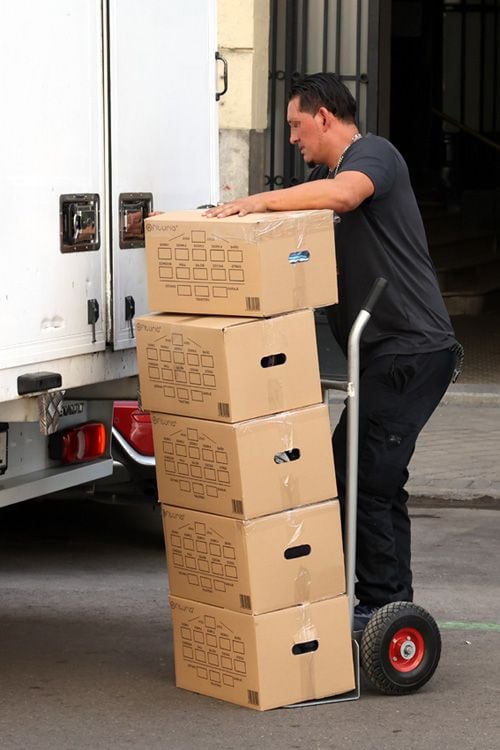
(86, 653)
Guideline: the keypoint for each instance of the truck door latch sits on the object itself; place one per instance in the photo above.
(79, 222)
(129, 313)
(92, 315)
(133, 209)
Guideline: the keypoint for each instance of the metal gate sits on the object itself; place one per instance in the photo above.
(308, 36)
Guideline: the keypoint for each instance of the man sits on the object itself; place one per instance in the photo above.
(408, 347)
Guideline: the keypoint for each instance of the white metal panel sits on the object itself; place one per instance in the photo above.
(50, 144)
(164, 136)
(112, 371)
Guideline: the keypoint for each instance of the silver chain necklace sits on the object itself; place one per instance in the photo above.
(333, 172)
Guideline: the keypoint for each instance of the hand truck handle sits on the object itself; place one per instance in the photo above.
(375, 292)
(351, 504)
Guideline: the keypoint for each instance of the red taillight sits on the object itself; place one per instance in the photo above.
(134, 425)
(78, 444)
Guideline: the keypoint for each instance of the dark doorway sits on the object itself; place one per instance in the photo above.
(445, 87)
(445, 120)
(416, 76)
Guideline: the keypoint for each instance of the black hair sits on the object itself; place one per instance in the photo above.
(324, 90)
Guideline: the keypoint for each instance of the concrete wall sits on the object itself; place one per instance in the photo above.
(243, 34)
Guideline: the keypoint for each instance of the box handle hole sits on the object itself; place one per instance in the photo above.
(287, 456)
(272, 360)
(305, 648)
(300, 550)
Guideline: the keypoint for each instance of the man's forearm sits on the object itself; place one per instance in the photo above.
(342, 194)
(300, 197)
(310, 195)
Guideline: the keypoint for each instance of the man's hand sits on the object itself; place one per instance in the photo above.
(243, 206)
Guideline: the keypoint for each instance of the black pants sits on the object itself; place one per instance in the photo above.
(398, 394)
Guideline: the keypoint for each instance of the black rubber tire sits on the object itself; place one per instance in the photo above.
(378, 640)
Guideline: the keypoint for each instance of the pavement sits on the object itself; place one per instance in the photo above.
(456, 460)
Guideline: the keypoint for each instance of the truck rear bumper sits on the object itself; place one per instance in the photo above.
(48, 481)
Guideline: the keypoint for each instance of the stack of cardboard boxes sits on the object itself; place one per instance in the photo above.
(243, 454)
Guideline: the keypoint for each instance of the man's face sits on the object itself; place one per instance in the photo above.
(305, 131)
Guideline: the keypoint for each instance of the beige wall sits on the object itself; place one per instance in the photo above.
(243, 34)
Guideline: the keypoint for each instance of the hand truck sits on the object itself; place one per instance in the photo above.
(400, 648)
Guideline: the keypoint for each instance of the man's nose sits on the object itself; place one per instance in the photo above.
(293, 137)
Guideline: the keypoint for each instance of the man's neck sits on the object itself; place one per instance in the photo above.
(349, 135)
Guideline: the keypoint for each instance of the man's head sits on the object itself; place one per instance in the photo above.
(324, 90)
(321, 110)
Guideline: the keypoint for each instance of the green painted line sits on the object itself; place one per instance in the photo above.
(451, 625)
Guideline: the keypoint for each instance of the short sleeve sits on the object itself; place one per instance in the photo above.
(376, 158)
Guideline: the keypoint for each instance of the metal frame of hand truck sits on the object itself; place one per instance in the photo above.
(351, 386)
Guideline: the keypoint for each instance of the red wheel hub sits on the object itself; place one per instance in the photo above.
(406, 650)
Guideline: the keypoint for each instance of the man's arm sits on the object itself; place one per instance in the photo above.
(344, 193)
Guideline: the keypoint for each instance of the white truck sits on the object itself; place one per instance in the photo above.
(108, 112)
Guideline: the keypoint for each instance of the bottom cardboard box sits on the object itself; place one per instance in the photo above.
(263, 661)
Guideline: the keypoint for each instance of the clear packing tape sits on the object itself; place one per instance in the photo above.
(285, 453)
(294, 546)
(254, 228)
(307, 643)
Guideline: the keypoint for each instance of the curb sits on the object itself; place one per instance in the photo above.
(480, 502)
(474, 395)
(465, 395)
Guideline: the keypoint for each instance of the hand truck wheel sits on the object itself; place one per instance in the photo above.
(400, 648)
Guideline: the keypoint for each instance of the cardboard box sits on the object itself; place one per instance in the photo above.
(256, 265)
(227, 563)
(263, 661)
(227, 369)
(246, 469)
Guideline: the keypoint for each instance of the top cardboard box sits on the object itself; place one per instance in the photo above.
(257, 265)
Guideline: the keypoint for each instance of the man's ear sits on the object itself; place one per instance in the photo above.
(326, 117)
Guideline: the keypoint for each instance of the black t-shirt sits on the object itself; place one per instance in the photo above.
(385, 237)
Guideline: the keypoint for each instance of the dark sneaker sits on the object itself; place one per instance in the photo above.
(362, 614)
